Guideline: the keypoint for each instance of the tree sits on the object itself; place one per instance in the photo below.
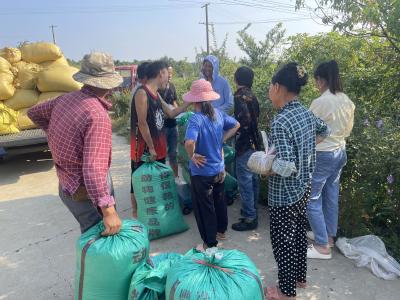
(380, 18)
(260, 53)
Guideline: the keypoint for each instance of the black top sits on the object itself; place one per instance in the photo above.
(169, 96)
(247, 111)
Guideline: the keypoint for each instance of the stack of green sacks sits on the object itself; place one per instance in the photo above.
(105, 265)
(214, 274)
(148, 282)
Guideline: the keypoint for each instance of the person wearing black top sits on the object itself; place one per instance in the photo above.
(246, 110)
(170, 97)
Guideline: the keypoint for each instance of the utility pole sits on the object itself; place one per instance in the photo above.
(52, 31)
(207, 32)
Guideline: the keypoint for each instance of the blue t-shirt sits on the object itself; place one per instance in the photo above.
(209, 136)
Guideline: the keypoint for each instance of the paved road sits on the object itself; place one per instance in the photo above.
(37, 253)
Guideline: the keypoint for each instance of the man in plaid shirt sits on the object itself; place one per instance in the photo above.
(79, 137)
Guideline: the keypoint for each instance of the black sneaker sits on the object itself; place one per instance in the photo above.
(245, 224)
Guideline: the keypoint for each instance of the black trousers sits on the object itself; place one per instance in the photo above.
(209, 207)
(289, 243)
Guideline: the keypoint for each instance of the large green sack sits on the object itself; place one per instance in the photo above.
(216, 274)
(229, 154)
(105, 265)
(157, 200)
(148, 281)
(230, 185)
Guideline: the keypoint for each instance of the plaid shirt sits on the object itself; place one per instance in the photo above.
(79, 136)
(294, 132)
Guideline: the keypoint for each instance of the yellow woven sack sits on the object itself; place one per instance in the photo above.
(8, 120)
(23, 99)
(40, 52)
(55, 63)
(13, 55)
(27, 74)
(7, 88)
(5, 66)
(58, 79)
(23, 121)
(43, 97)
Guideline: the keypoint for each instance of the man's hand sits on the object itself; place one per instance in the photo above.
(198, 160)
(111, 220)
(153, 154)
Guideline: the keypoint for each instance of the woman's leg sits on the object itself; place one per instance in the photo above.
(203, 208)
(220, 206)
(283, 230)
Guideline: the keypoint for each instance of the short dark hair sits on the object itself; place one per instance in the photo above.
(292, 76)
(329, 71)
(142, 70)
(244, 76)
(154, 68)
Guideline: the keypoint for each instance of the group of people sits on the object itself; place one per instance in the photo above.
(303, 184)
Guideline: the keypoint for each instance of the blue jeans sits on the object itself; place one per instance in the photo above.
(172, 143)
(248, 183)
(323, 209)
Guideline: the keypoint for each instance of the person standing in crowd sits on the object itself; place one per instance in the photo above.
(337, 110)
(210, 72)
(147, 119)
(294, 132)
(141, 76)
(207, 130)
(79, 136)
(246, 111)
(169, 96)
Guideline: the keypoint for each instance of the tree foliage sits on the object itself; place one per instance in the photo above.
(380, 18)
(260, 53)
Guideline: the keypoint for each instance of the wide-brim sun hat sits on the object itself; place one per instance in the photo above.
(201, 91)
(98, 70)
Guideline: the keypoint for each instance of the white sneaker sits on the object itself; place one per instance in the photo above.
(311, 235)
(315, 254)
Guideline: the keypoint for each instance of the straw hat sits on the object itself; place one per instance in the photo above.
(201, 91)
(97, 69)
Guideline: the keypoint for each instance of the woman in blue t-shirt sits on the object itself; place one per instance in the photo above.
(207, 130)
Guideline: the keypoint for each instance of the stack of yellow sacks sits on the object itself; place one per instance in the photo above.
(35, 73)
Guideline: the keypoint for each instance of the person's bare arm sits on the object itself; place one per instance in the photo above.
(231, 132)
(172, 113)
(141, 111)
(197, 159)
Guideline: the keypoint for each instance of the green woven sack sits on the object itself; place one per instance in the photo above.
(216, 274)
(105, 264)
(157, 200)
(148, 282)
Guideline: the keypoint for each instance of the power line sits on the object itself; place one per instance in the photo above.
(260, 21)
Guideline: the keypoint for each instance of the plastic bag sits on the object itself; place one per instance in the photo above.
(214, 274)
(157, 199)
(369, 251)
(13, 55)
(60, 62)
(260, 162)
(27, 74)
(8, 120)
(43, 97)
(105, 265)
(7, 88)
